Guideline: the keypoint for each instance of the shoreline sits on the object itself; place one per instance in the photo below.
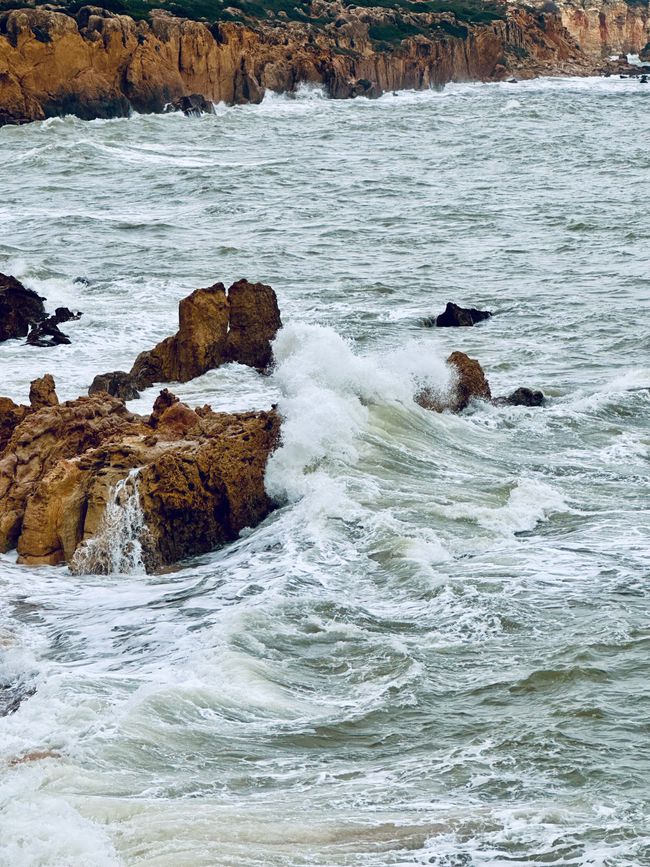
(101, 65)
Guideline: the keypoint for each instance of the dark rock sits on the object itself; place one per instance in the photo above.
(13, 695)
(19, 308)
(11, 414)
(455, 316)
(254, 321)
(522, 397)
(46, 333)
(193, 105)
(64, 314)
(118, 383)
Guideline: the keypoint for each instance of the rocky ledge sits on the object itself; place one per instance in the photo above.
(94, 63)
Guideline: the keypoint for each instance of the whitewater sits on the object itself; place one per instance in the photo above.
(436, 651)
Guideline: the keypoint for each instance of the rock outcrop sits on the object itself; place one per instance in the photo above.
(42, 392)
(215, 326)
(455, 316)
(468, 383)
(19, 307)
(99, 64)
(200, 478)
(606, 27)
(522, 396)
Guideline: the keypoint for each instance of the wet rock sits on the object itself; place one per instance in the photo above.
(193, 105)
(455, 316)
(469, 383)
(64, 314)
(119, 383)
(253, 323)
(522, 397)
(19, 308)
(200, 479)
(13, 695)
(47, 333)
(42, 392)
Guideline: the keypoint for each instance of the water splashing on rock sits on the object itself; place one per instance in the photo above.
(118, 546)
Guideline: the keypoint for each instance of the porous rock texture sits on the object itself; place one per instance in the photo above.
(200, 480)
(215, 326)
(99, 64)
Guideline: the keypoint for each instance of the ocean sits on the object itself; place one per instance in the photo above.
(437, 650)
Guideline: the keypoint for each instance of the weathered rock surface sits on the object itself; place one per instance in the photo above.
(19, 307)
(455, 316)
(215, 326)
(42, 392)
(11, 414)
(469, 383)
(193, 105)
(200, 478)
(606, 27)
(99, 64)
(522, 397)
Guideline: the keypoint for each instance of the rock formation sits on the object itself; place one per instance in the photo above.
(468, 384)
(19, 307)
(42, 392)
(455, 316)
(606, 27)
(200, 477)
(98, 64)
(215, 326)
(522, 397)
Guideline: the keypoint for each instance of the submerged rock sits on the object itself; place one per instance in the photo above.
(215, 326)
(469, 383)
(455, 316)
(47, 333)
(522, 397)
(19, 308)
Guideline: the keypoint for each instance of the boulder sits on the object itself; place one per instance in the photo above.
(193, 105)
(522, 397)
(119, 383)
(42, 392)
(469, 383)
(455, 316)
(64, 314)
(19, 308)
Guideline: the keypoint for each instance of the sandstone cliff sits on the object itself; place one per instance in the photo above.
(98, 64)
(607, 27)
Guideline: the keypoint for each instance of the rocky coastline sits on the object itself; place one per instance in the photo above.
(97, 64)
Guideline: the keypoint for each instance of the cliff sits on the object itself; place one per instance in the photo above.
(95, 63)
(606, 27)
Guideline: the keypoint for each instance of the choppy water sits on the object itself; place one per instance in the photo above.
(437, 652)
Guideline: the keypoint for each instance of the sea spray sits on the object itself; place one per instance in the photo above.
(118, 546)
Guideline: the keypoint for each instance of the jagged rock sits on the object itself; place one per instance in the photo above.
(193, 105)
(254, 322)
(11, 414)
(215, 326)
(469, 384)
(42, 392)
(19, 308)
(644, 54)
(119, 383)
(198, 345)
(47, 333)
(455, 316)
(200, 479)
(522, 397)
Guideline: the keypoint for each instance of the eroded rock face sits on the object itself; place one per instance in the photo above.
(455, 316)
(193, 105)
(99, 64)
(200, 476)
(469, 383)
(11, 414)
(215, 326)
(19, 308)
